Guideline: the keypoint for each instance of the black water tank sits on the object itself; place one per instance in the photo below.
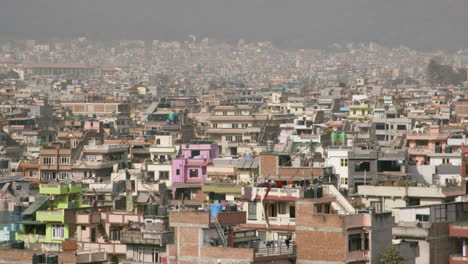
(3, 164)
(38, 258)
(52, 259)
(152, 209)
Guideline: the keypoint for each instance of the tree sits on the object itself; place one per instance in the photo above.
(390, 255)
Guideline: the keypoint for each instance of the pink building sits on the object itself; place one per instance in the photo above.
(190, 169)
(422, 144)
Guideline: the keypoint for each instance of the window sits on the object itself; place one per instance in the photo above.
(272, 210)
(362, 166)
(18, 187)
(245, 125)
(354, 242)
(34, 173)
(155, 255)
(215, 125)
(292, 211)
(235, 125)
(93, 235)
(344, 181)
(318, 208)
(195, 153)
(177, 172)
(239, 138)
(252, 210)
(63, 175)
(58, 231)
(282, 208)
(114, 233)
(64, 160)
(422, 218)
(83, 228)
(401, 127)
(228, 138)
(164, 175)
(262, 235)
(48, 175)
(193, 173)
(224, 113)
(158, 141)
(344, 162)
(48, 160)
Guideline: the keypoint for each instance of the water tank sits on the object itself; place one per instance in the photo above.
(38, 258)
(334, 137)
(215, 208)
(270, 146)
(52, 259)
(173, 117)
(152, 209)
(162, 211)
(3, 164)
(343, 138)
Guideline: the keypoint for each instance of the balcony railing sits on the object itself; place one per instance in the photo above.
(150, 238)
(91, 256)
(50, 216)
(92, 218)
(275, 251)
(31, 238)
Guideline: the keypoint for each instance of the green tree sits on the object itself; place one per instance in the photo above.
(390, 255)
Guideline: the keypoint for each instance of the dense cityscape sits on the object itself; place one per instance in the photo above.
(204, 151)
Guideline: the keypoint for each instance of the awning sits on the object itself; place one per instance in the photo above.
(143, 197)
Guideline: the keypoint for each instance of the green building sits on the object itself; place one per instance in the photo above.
(48, 220)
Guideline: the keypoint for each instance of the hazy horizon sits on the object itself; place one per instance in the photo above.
(418, 24)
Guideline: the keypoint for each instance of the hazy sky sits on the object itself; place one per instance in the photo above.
(424, 24)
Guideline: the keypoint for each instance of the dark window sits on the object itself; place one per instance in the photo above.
(164, 175)
(292, 212)
(401, 127)
(422, 218)
(354, 242)
(272, 210)
(93, 235)
(195, 153)
(284, 161)
(380, 126)
(362, 166)
(193, 173)
(177, 172)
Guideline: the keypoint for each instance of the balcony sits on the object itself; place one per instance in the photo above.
(94, 164)
(280, 193)
(412, 230)
(57, 216)
(275, 252)
(221, 188)
(147, 238)
(51, 189)
(108, 248)
(86, 219)
(91, 256)
(31, 238)
(59, 189)
(458, 230)
(30, 164)
(458, 259)
(360, 255)
(420, 150)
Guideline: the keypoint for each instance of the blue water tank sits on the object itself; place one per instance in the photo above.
(215, 209)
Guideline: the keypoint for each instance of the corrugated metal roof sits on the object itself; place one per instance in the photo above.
(247, 163)
(41, 200)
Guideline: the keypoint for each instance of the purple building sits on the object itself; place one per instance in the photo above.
(189, 169)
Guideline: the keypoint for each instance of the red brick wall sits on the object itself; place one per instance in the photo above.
(319, 237)
(268, 165)
(189, 218)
